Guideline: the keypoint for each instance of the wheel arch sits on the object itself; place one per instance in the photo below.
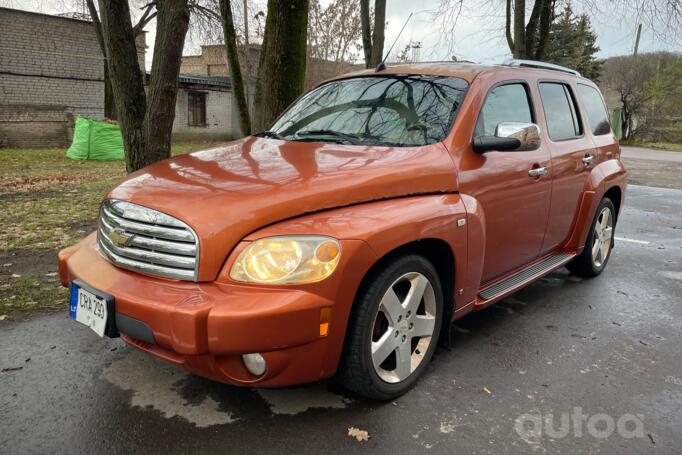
(439, 253)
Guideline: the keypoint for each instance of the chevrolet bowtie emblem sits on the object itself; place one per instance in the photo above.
(119, 237)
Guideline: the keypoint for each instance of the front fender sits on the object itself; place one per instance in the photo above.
(382, 226)
(605, 176)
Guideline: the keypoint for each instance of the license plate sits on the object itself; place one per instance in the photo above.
(89, 308)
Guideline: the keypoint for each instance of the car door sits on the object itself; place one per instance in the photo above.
(514, 201)
(573, 157)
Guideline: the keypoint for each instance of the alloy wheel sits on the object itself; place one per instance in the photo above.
(603, 237)
(403, 327)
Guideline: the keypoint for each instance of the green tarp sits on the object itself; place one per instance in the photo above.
(94, 140)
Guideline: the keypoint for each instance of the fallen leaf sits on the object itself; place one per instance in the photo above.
(51, 274)
(360, 435)
(3, 317)
(9, 264)
(16, 275)
(487, 390)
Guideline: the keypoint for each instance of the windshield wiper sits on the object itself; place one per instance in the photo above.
(353, 139)
(272, 134)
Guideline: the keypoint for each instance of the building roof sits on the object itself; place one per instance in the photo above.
(215, 81)
(221, 81)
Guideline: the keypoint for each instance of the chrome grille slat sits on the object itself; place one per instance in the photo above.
(151, 269)
(164, 245)
(152, 257)
(151, 230)
(148, 241)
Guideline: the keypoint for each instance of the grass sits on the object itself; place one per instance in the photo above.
(48, 202)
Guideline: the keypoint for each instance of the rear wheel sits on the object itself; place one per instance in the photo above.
(599, 244)
(393, 329)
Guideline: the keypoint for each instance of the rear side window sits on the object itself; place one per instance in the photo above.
(505, 103)
(595, 109)
(560, 111)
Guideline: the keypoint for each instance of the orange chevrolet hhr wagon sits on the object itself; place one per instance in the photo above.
(344, 240)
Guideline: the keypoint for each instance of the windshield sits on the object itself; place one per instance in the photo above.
(386, 110)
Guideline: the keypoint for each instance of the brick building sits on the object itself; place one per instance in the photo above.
(52, 70)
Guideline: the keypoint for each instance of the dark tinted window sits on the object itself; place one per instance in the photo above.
(382, 110)
(506, 103)
(595, 109)
(560, 112)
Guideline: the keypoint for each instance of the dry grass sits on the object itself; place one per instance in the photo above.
(48, 202)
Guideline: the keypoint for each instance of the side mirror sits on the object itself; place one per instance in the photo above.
(509, 136)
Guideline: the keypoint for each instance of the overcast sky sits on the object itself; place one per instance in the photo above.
(479, 34)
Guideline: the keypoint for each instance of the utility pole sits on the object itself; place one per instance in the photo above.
(639, 33)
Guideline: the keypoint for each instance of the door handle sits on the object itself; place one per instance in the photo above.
(587, 159)
(537, 171)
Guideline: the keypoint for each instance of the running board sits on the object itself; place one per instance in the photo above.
(525, 276)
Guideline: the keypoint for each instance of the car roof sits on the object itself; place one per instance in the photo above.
(464, 70)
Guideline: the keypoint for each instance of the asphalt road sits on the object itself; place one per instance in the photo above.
(594, 353)
(650, 154)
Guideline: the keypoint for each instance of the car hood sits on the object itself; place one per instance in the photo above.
(225, 193)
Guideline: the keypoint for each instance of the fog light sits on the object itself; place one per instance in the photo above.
(255, 363)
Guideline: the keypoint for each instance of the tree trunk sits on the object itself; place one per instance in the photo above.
(546, 18)
(281, 72)
(126, 79)
(172, 22)
(146, 121)
(378, 32)
(507, 27)
(235, 69)
(109, 106)
(519, 50)
(366, 32)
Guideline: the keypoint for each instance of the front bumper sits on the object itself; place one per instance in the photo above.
(207, 326)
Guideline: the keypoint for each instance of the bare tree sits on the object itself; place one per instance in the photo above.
(146, 120)
(527, 35)
(334, 31)
(281, 70)
(632, 79)
(373, 34)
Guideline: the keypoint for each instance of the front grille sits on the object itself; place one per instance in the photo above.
(147, 241)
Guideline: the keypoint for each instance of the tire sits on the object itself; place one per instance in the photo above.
(387, 319)
(590, 264)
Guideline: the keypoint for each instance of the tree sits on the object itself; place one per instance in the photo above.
(528, 36)
(281, 70)
(234, 67)
(334, 32)
(632, 80)
(572, 43)
(146, 120)
(373, 35)
(147, 15)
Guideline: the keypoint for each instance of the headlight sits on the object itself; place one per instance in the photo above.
(287, 260)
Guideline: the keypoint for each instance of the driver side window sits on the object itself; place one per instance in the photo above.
(504, 103)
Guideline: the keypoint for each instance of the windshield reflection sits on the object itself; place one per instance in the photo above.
(396, 110)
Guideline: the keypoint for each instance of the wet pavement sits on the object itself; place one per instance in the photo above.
(600, 357)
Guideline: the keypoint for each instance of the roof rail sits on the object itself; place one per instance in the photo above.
(541, 65)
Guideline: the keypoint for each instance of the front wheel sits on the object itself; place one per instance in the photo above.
(599, 244)
(393, 329)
